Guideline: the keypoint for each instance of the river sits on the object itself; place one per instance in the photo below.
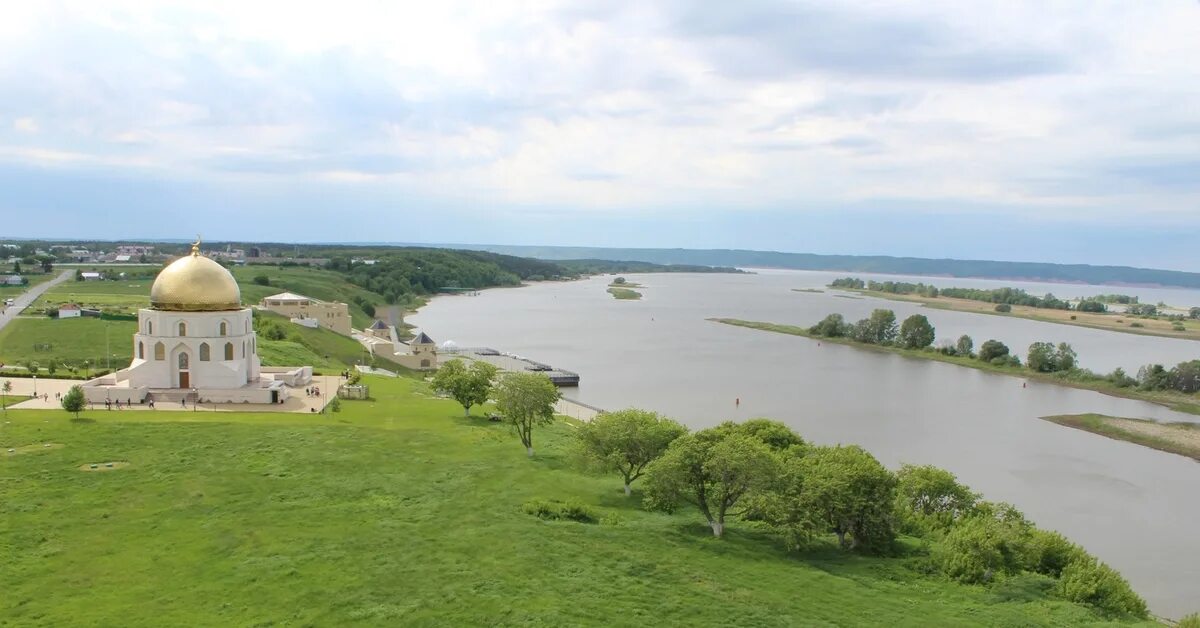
(1134, 507)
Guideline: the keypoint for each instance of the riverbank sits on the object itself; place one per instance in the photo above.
(1175, 438)
(1107, 321)
(1175, 401)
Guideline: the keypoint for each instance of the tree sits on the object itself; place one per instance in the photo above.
(78, 274)
(47, 262)
(262, 280)
(714, 470)
(1088, 581)
(1065, 357)
(74, 401)
(17, 267)
(981, 546)
(1042, 358)
(927, 495)
(1194, 312)
(469, 386)
(1003, 308)
(843, 490)
(992, 349)
(626, 441)
(7, 389)
(52, 367)
(619, 280)
(965, 346)
(883, 326)
(527, 400)
(832, 326)
(773, 434)
(1091, 306)
(916, 332)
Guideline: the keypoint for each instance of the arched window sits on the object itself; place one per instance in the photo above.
(182, 328)
(247, 326)
(204, 353)
(150, 327)
(160, 352)
(224, 328)
(183, 361)
(141, 351)
(229, 351)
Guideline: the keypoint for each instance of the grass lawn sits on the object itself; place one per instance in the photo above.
(398, 511)
(1111, 321)
(1180, 402)
(1176, 438)
(70, 340)
(321, 348)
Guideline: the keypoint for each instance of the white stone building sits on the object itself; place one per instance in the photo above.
(196, 341)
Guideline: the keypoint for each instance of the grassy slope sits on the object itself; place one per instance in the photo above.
(1106, 321)
(320, 347)
(312, 282)
(1176, 401)
(1176, 438)
(398, 511)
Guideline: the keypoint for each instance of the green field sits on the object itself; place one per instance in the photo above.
(7, 292)
(625, 294)
(398, 511)
(126, 296)
(71, 340)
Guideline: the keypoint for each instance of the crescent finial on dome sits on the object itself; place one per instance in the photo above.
(196, 245)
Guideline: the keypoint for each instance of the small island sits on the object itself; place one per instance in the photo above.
(623, 290)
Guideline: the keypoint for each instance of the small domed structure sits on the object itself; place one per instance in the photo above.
(195, 283)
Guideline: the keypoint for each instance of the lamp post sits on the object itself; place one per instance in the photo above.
(35, 385)
(195, 399)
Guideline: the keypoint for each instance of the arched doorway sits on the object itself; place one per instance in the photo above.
(185, 379)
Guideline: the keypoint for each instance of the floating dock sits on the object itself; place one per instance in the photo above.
(514, 363)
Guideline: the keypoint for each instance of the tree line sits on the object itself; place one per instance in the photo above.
(765, 475)
(762, 473)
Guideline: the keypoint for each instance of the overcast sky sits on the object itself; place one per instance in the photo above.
(1050, 131)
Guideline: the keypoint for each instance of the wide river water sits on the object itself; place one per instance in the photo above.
(1136, 508)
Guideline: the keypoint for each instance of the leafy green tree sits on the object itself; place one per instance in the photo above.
(916, 332)
(619, 280)
(6, 388)
(965, 346)
(714, 470)
(832, 326)
(17, 267)
(1042, 358)
(527, 400)
(978, 548)
(52, 367)
(929, 496)
(262, 280)
(626, 441)
(469, 386)
(1091, 306)
(992, 349)
(883, 326)
(843, 490)
(1065, 357)
(1086, 580)
(47, 262)
(74, 401)
(773, 434)
(1194, 312)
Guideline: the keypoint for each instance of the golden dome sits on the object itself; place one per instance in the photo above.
(195, 283)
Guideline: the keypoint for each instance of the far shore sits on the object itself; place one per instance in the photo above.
(1107, 321)
(1179, 402)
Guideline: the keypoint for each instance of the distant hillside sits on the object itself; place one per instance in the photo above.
(1076, 273)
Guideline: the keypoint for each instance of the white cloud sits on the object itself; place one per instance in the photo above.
(640, 105)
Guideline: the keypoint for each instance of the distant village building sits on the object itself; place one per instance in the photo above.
(421, 356)
(122, 259)
(14, 280)
(91, 276)
(135, 250)
(69, 310)
(334, 316)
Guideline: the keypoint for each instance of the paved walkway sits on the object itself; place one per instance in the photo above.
(29, 296)
(297, 402)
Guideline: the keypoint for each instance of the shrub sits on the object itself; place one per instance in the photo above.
(335, 405)
(1003, 308)
(555, 510)
(1088, 581)
(991, 350)
(262, 280)
(1191, 621)
(1136, 324)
